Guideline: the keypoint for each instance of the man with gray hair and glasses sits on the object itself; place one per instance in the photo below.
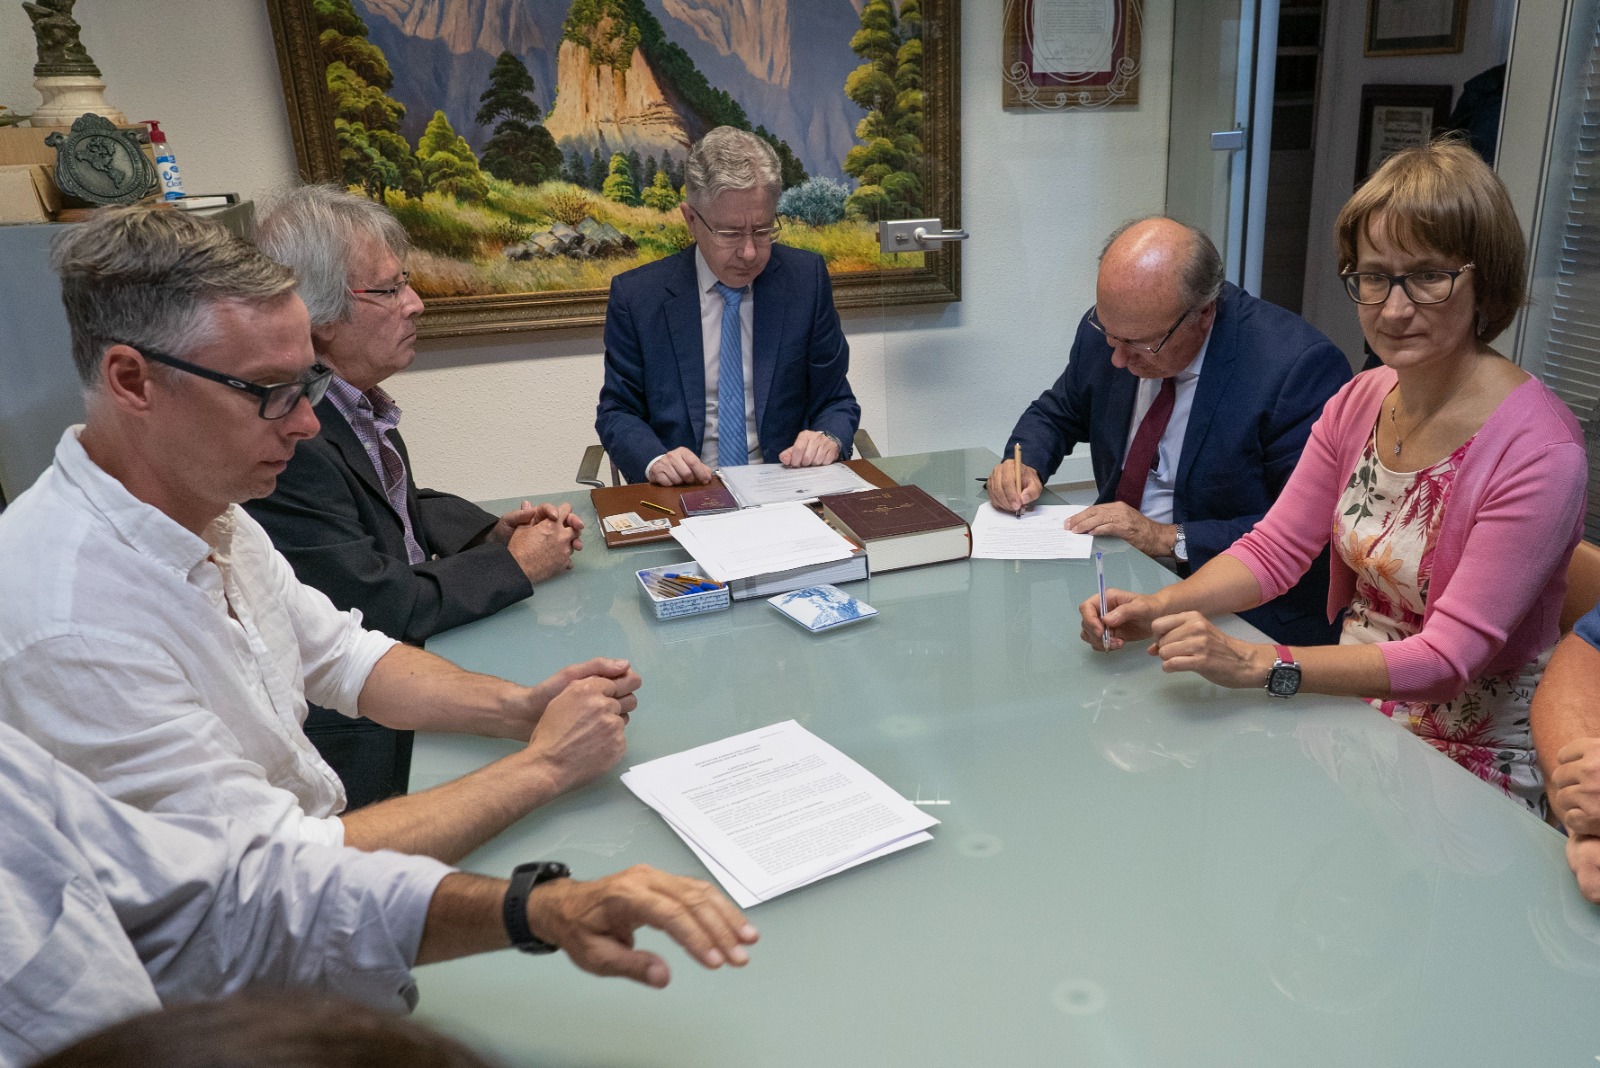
(729, 352)
(347, 512)
(1195, 398)
(153, 639)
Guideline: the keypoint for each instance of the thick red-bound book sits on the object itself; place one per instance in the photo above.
(900, 527)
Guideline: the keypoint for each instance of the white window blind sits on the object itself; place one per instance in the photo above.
(1565, 320)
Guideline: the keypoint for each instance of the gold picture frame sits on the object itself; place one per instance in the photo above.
(932, 277)
(1415, 27)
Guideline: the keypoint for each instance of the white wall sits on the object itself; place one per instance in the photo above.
(491, 417)
(1344, 71)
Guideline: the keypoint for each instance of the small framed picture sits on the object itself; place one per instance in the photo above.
(1415, 27)
(1395, 117)
(1066, 55)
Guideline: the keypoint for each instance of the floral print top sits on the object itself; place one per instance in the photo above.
(1385, 530)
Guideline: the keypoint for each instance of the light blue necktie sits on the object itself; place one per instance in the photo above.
(732, 448)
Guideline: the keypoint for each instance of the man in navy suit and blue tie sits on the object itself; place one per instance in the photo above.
(1196, 399)
(729, 352)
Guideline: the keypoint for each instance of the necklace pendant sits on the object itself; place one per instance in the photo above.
(1397, 448)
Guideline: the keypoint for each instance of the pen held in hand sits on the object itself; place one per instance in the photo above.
(1100, 576)
(1017, 456)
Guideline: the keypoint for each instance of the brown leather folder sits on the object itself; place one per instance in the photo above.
(614, 500)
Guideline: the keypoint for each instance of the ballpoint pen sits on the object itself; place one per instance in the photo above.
(1100, 575)
(657, 507)
(1017, 455)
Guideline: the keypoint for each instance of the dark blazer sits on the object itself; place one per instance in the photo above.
(1266, 377)
(330, 518)
(653, 400)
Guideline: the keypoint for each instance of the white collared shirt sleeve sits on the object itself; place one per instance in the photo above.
(127, 715)
(106, 911)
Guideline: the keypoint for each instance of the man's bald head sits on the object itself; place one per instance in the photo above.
(1157, 286)
(1157, 252)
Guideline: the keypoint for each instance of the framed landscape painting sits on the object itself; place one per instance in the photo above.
(534, 149)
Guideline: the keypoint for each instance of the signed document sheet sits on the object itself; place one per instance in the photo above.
(1041, 534)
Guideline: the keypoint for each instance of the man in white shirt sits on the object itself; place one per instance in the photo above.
(107, 912)
(153, 639)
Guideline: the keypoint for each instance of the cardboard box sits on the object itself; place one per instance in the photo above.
(25, 144)
(28, 194)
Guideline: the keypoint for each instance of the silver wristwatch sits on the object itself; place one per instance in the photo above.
(1180, 547)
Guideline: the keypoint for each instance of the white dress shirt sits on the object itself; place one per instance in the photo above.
(106, 912)
(1163, 479)
(711, 308)
(172, 670)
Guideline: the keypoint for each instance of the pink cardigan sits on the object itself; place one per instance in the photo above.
(1500, 563)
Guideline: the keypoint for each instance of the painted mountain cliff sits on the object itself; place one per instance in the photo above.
(782, 60)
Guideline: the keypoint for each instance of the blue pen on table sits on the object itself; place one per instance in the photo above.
(1100, 575)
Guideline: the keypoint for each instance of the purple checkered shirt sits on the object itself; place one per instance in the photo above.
(372, 415)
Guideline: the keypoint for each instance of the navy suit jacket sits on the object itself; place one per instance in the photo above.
(1266, 377)
(654, 397)
(329, 516)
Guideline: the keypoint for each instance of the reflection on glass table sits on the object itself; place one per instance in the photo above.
(1131, 868)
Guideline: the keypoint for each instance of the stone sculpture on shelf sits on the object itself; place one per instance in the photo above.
(56, 33)
(65, 76)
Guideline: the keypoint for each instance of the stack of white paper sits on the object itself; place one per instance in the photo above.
(753, 485)
(1041, 534)
(776, 808)
(760, 541)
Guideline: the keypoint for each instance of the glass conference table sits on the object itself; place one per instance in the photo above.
(1133, 869)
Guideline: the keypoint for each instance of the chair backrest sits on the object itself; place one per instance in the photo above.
(1583, 585)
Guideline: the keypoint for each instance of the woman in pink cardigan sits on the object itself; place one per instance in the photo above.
(1450, 482)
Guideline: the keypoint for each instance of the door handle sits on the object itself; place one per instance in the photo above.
(915, 235)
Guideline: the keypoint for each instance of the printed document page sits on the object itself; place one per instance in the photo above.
(758, 484)
(1041, 534)
(776, 808)
(759, 541)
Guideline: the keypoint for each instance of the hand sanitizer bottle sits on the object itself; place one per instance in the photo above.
(166, 163)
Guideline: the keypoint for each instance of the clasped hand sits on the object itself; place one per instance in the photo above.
(542, 538)
(579, 719)
(1185, 641)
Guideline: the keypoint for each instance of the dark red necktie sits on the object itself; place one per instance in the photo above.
(1141, 458)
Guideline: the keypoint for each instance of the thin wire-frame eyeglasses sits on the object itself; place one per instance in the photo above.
(1138, 346)
(390, 291)
(761, 235)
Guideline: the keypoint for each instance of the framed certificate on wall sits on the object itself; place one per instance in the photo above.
(1415, 27)
(1067, 54)
(1396, 117)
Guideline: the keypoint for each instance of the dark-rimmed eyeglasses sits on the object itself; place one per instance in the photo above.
(390, 292)
(1138, 346)
(1432, 286)
(278, 399)
(761, 235)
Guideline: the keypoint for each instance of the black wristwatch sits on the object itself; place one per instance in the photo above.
(1284, 678)
(514, 911)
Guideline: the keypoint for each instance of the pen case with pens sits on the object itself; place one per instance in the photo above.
(669, 589)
